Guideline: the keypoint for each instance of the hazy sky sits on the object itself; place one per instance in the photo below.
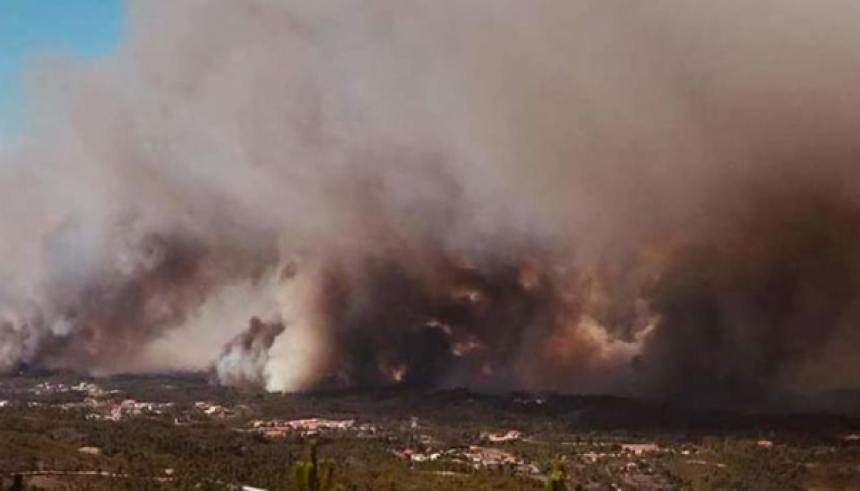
(29, 28)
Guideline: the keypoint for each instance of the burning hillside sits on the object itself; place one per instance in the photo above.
(584, 196)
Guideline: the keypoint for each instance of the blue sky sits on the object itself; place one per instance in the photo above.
(86, 28)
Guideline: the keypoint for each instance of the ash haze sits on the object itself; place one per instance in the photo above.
(658, 198)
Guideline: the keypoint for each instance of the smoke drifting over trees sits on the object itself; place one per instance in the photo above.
(587, 196)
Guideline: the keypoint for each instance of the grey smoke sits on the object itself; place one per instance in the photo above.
(244, 359)
(585, 196)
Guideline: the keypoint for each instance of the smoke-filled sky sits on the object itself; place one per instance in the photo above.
(654, 198)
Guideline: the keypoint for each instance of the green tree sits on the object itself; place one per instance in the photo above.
(313, 474)
(556, 478)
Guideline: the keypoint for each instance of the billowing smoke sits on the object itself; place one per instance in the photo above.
(643, 197)
(244, 359)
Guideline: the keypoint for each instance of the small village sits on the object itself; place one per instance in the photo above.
(414, 444)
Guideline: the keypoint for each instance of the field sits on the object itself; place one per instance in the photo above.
(58, 431)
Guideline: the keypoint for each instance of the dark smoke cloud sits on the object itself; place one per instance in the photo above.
(585, 196)
(741, 313)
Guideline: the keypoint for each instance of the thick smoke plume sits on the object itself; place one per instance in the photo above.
(640, 197)
(244, 359)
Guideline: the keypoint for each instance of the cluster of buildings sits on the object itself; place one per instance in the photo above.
(106, 405)
(107, 410)
(508, 436)
(88, 388)
(213, 410)
(473, 456)
(276, 428)
(640, 448)
(624, 450)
